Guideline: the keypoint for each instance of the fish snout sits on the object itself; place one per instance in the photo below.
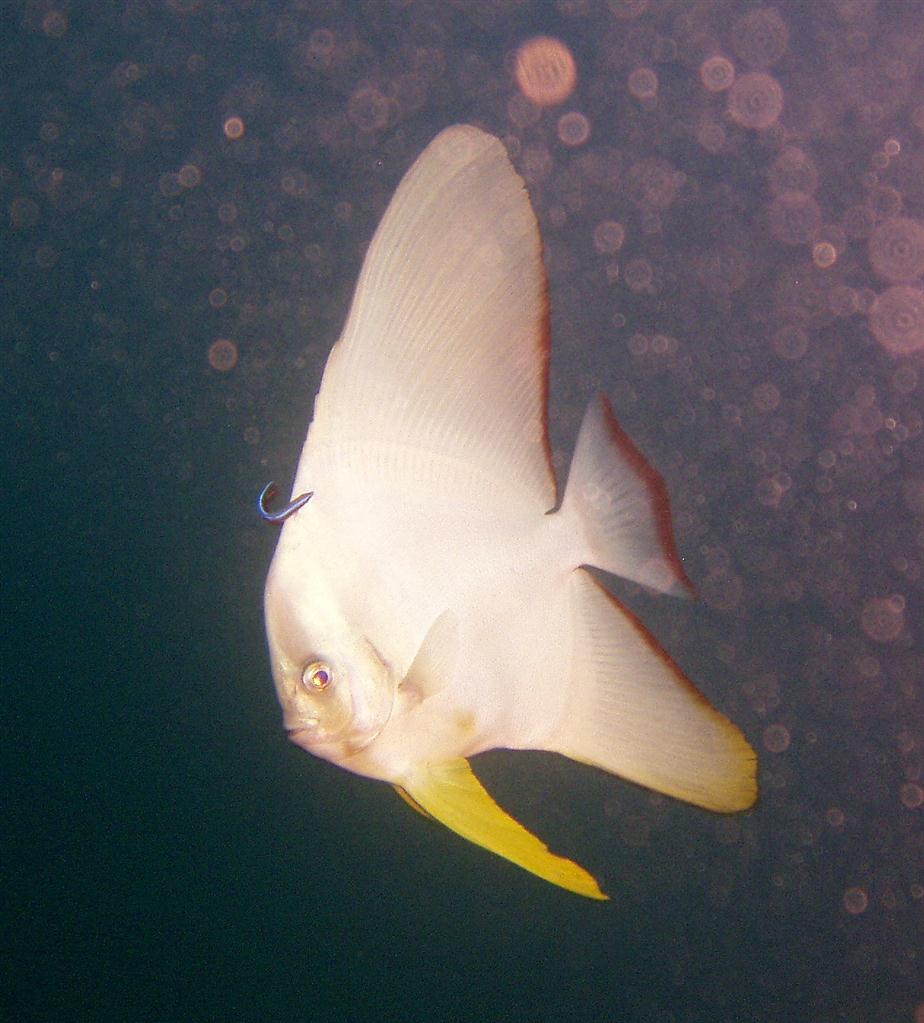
(311, 738)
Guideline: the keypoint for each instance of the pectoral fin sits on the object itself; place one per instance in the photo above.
(450, 792)
(435, 661)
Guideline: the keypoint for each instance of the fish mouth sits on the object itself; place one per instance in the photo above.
(307, 736)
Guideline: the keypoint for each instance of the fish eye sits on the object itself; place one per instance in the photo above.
(317, 676)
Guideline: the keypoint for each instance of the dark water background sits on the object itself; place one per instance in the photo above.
(168, 855)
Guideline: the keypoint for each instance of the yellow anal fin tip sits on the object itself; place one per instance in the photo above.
(450, 793)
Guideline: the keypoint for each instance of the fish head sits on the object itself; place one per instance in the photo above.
(335, 689)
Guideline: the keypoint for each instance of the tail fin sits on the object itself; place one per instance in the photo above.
(621, 506)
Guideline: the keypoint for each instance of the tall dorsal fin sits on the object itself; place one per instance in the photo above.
(439, 381)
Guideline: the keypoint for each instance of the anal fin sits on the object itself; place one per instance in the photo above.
(450, 792)
(634, 713)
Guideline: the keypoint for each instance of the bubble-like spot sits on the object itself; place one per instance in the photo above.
(218, 297)
(843, 300)
(545, 71)
(896, 319)
(766, 397)
(883, 618)
(911, 795)
(643, 83)
(769, 491)
(717, 73)
(609, 237)
(227, 213)
(169, 186)
(368, 109)
(573, 129)
(793, 171)
(54, 23)
(896, 249)
(834, 817)
(655, 182)
(790, 342)
(855, 901)
(776, 738)
(858, 419)
(867, 667)
(824, 255)
(711, 136)
(755, 101)
(294, 181)
(664, 344)
(865, 299)
(233, 127)
(189, 175)
(638, 275)
(794, 217)
(885, 201)
(638, 344)
(222, 355)
(760, 37)
(320, 49)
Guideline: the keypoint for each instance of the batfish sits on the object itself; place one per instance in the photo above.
(433, 600)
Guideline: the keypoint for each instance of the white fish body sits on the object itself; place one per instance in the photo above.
(424, 606)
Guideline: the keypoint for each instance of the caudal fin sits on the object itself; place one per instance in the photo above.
(620, 506)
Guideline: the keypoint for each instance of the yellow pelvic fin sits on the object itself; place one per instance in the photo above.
(450, 792)
(411, 801)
